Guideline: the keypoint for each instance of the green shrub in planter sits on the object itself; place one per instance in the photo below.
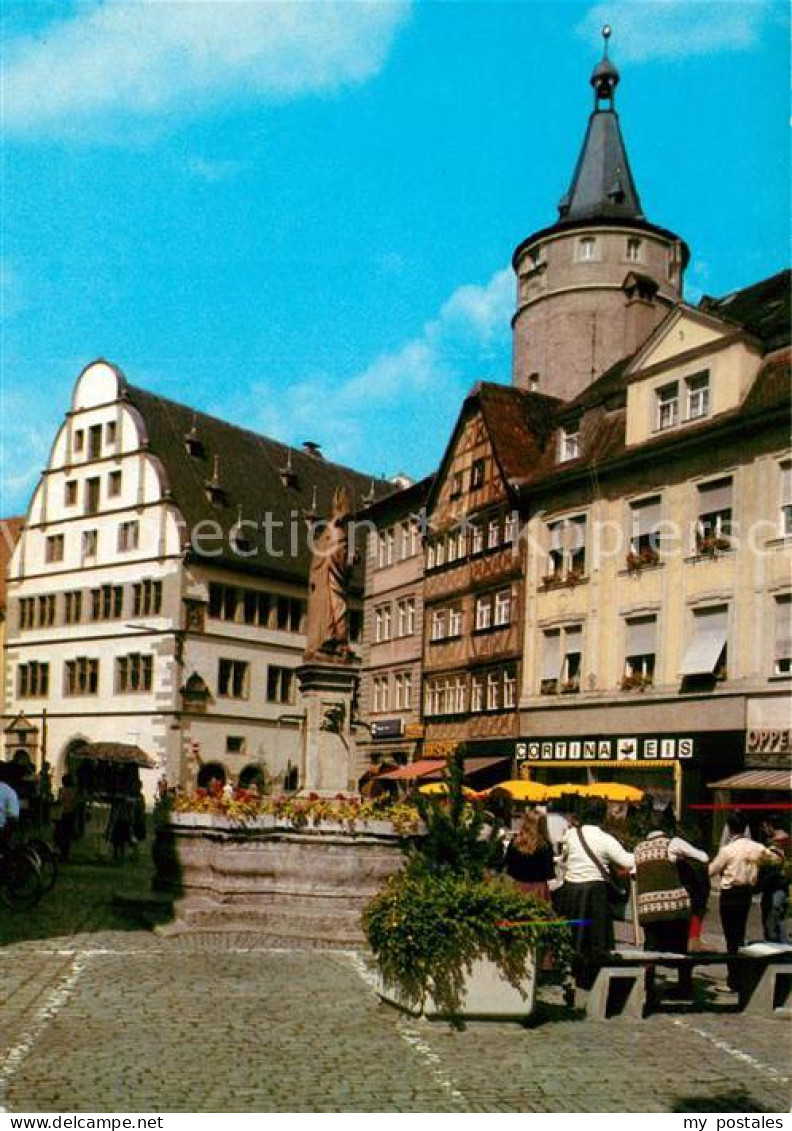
(426, 930)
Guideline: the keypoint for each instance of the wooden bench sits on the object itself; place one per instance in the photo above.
(625, 987)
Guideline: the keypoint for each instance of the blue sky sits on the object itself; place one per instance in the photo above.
(300, 216)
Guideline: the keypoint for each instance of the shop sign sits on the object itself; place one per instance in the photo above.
(414, 730)
(627, 748)
(387, 728)
(768, 742)
(442, 748)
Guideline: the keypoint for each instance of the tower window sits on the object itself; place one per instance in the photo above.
(634, 249)
(587, 248)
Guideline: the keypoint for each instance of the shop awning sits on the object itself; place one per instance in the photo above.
(417, 769)
(123, 752)
(473, 765)
(706, 646)
(780, 780)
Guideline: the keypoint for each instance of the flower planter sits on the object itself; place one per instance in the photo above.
(486, 996)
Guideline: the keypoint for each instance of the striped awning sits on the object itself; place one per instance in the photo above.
(780, 780)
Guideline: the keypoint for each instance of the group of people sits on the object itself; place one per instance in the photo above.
(585, 872)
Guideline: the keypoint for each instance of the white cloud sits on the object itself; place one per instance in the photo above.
(418, 386)
(664, 29)
(147, 58)
(209, 169)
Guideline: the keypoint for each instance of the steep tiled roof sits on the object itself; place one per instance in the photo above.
(519, 424)
(763, 309)
(250, 472)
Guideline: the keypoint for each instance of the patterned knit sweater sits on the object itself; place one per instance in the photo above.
(661, 895)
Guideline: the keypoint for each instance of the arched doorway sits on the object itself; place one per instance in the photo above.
(210, 770)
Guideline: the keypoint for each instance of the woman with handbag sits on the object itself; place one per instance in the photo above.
(589, 890)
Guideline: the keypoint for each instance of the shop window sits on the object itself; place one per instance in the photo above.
(783, 635)
(714, 525)
(640, 645)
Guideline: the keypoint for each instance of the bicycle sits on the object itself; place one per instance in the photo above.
(21, 885)
(45, 857)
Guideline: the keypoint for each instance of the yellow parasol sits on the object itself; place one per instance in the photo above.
(440, 789)
(614, 791)
(521, 790)
(563, 788)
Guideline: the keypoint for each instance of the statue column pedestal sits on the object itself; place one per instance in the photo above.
(328, 753)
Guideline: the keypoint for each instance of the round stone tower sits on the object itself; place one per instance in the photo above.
(593, 286)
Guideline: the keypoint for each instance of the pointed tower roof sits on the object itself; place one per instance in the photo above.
(602, 184)
(602, 190)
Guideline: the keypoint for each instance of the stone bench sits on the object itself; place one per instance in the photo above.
(625, 986)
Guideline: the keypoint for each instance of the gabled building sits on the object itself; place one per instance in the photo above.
(157, 595)
(474, 571)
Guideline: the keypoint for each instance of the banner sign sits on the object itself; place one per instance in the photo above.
(626, 748)
(387, 728)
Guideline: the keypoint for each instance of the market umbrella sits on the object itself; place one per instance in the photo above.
(613, 791)
(440, 789)
(521, 790)
(563, 788)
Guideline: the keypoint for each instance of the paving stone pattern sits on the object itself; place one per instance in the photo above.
(100, 1014)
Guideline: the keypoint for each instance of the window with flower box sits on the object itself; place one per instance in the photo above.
(645, 519)
(714, 525)
(561, 660)
(566, 561)
(639, 651)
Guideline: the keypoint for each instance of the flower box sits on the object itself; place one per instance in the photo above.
(486, 995)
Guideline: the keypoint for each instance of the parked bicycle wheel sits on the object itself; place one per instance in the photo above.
(21, 886)
(46, 858)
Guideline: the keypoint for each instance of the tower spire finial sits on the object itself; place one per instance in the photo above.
(605, 77)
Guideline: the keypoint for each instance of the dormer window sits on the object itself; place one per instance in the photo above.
(587, 249)
(698, 395)
(634, 249)
(667, 406)
(569, 442)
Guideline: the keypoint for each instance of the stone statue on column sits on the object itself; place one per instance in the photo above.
(328, 615)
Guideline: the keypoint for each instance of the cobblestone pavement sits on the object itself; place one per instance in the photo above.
(98, 1014)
